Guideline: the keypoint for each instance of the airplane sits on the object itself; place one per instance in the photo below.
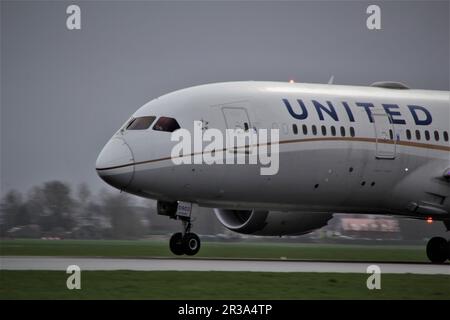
(379, 149)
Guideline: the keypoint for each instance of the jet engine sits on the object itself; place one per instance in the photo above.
(272, 223)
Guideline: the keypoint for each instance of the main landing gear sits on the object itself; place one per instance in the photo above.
(185, 242)
(438, 248)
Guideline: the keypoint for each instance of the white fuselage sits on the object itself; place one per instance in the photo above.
(378, 165)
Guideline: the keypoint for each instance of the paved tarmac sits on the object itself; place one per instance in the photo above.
(170, 264)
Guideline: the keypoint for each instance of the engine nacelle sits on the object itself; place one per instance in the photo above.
(272, 223)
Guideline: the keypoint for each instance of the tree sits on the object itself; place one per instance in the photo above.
(125, 223)
(89, 211)
(13, 210)
(53, 206)
(84, 193)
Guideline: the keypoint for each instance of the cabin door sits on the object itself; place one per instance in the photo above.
(236, 118)
(385, 144)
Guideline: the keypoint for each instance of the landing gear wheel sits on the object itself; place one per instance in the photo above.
(438, 250)
(180, 243)
(191, 244)
(448, 244)
(176, 244)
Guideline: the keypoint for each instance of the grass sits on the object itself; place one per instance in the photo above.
(218, 285)
(146, 248)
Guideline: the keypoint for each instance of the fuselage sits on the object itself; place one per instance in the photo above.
(345, 149)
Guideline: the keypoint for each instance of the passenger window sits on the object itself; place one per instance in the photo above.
(408, 134)
(295, 129)
(427, 135)
(166, 124)
(305, 129)
(343, 131)
(417, 134)
(436, 135)
(352, 131)
(445, 135)
(140, 123)
(314, 130)
(333, 131)
(324, 131)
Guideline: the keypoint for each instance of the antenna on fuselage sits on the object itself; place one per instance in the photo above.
(331, 80)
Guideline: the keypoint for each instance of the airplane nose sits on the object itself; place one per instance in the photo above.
(115, 163)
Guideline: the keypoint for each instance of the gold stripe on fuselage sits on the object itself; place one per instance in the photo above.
(371, 140)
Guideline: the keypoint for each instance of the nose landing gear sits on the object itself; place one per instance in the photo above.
(185, 242)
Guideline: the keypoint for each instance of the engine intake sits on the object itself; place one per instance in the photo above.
(272, 223)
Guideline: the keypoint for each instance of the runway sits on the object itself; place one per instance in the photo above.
(169, 264)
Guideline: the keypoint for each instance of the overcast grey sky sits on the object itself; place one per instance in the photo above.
(64, 93)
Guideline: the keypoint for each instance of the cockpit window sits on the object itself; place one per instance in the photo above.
(166, 124)
(141, 123)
